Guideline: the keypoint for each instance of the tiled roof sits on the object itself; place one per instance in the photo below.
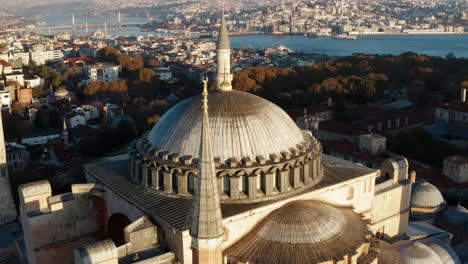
(457, 106)
(176, 210)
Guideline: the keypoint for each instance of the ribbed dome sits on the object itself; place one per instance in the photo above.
(418, 253)
(302, 232)
(241, 125)
(456, 215)
(444, 251)
(304, 225)
(426, 195)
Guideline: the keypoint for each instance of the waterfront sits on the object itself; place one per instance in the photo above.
(433, 45)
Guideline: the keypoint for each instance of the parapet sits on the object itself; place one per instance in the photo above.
(100, 252)
(35, 189)
(34, 196)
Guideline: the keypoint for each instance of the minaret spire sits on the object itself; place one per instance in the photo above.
(7, 208)
(207, 228)
(224, 76)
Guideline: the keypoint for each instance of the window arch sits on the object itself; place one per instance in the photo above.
(302, 173)
(243, 184)
(175, 182)
(277, 179)
(191, 183)
(161, 180)
(227, 185)
(291, 176)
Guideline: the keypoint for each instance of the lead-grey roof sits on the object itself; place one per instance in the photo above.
(302, 232)
(241, 125)
(223, 41)
(426, 195)
(444, 251)
(417, 253)
(176, 211)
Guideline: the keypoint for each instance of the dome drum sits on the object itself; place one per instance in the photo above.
(238, 180)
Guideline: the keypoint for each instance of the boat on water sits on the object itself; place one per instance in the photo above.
(345, 37)
(277, 33)
(310, 35)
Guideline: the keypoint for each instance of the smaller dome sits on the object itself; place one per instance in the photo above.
(444, 251)
(303, 232)
(456, 215)
(426, 195)
(417, 253)
(462, 251)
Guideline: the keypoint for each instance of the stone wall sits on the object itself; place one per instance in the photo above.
(68, 221)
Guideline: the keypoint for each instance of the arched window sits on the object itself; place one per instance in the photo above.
(263, 182)
(191, 183)
(277, 179)
(175, 182)
(149, 177)
(302, 173)
(227, 185)
(291, 176)
(161, 180)
(350, 195)
(243, 184)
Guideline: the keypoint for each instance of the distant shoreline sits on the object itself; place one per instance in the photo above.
(357, 35)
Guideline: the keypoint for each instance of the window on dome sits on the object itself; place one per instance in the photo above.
(261, 182)
(302, 174)
(291, 177)
(161, 180)
(149, 178)
(227, 185)
(243, 184)
(191, 183)
(277, 179)
(175, 182)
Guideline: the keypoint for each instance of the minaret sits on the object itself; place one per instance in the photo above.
(207, 228)
(73, 23)
(86, 26)
(224, 58)
(65, 132)
(120, 22)
(7, 207)
(105, 28)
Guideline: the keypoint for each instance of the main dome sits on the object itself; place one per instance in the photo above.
(241, 125)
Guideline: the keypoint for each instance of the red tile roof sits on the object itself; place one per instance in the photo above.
(5, 63)
(456, 106)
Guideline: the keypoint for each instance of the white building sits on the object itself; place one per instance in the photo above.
(104, 72)
(5, 99)
(41, 57)
(372, 143)
(456, 168)
(164, 74)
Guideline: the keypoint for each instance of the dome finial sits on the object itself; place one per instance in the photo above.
(205, 94)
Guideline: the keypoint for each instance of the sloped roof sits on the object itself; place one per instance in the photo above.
(302, 232)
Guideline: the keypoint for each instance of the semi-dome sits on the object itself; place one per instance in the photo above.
(444, 251)
(242, 125)
(426, 195)
(303, 232)
(457, 216)
(417, 253)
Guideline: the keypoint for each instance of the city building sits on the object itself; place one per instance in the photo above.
(7, 207)
(456, 168)
(17, 156)
(103, 72)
